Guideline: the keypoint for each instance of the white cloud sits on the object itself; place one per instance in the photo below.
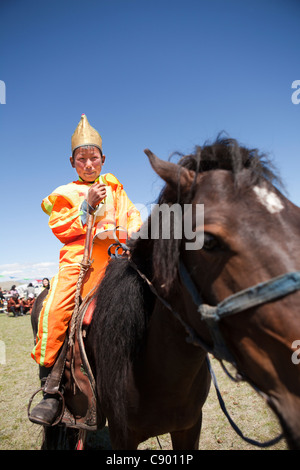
(19, 271)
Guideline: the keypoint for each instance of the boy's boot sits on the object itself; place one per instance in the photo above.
(48, 409)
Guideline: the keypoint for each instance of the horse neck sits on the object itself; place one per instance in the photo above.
(167, 349)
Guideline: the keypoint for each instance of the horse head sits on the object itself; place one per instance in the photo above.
(250, 236)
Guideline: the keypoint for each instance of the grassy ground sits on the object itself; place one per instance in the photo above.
(19, 379)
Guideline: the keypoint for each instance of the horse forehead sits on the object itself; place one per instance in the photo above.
(269, 199)
(215, 185)
(219, 184)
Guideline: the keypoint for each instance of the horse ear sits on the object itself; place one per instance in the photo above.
(170, 172)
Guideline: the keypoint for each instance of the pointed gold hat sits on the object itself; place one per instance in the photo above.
(85, 135)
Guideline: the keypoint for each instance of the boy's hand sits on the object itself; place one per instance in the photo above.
(96, 194)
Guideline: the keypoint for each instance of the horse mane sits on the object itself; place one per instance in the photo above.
(227, 154)
(123, 307)
(124, 300)
(223, 154)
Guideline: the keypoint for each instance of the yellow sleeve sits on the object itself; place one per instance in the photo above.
(65, 220)
(127, 214)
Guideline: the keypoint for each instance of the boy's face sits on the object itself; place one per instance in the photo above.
(88, 163)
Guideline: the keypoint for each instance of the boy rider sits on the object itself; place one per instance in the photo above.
(67, 207)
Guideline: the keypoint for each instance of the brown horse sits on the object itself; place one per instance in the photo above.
(150, 379)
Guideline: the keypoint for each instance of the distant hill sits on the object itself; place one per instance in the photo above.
(6, 285)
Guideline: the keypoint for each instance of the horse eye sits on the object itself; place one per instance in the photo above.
(210, 242)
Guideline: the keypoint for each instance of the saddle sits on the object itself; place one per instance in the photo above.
(72, 373)
(81, 409)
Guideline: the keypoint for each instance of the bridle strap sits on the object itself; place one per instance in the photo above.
(257, 295)
(246, 299)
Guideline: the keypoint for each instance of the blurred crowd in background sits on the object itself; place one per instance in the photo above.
(19, 300)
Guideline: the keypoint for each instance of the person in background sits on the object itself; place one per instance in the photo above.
(30, 301)
(2, 298)
(46, 283)
(30, 289)
(24, 304)
(13, 291)
(27, 304)
(14, 305)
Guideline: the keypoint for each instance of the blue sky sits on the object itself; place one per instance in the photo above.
(162, 74)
